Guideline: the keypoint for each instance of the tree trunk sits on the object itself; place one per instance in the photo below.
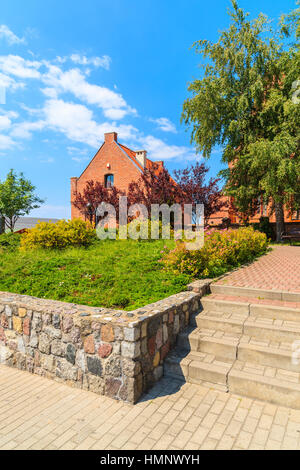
(279, 214)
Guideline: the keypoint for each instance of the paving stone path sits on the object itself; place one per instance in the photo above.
(278, 270)
(37, 413)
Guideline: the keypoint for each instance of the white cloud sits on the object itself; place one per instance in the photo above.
(114, 113)
(24, 129)
(6, 119)
(50, 92)
(103, 61)
(5, 122)
(164, 124)
(6, 142)
(73, 81)
(58, 81)
(9, 36)
(80, 159)
(159, 150)
(77, 123)
(9, 83)
(19, 67)
(71, 150)
(74, 120)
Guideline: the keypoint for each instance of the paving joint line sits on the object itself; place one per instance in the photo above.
(237, 347)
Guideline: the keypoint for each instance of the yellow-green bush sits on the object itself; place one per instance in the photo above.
(222, 251)
(59, 235)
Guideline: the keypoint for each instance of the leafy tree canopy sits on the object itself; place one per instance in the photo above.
(247, 103)
(17, 198)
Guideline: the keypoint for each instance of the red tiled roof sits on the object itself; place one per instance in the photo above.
(132, 155)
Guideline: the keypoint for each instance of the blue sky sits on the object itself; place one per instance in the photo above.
(73, 70)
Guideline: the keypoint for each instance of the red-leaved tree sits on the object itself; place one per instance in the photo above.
(154, 186)
(194, 190)
(93, 194)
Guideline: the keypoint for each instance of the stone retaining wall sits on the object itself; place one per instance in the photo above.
(111, 352)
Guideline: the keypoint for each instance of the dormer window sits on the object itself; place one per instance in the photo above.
(109, 181)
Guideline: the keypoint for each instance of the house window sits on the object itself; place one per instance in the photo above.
(296, 215)
(109, 181)
(259, 206)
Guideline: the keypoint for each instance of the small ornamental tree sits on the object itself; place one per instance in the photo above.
(191, 182)
(154, 186)
(93, 194)
(17, 198)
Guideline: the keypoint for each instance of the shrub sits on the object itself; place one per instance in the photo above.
(61, 234)
(9, 241)
(222, 251)
(264, 226)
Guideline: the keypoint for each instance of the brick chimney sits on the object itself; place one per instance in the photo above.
(74, 180)
(110, 137)
(141, 156)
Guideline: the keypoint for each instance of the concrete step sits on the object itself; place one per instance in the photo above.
(221, 347)
(273, 330)
(269, 356)
(257, 308)
(230, 323)
(269, 384)
(274, 312)
(224, 289)
(215, 372)
(225, 306)
(197, 367)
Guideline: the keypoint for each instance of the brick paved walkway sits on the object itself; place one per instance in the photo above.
(37, 413)
(278, 270)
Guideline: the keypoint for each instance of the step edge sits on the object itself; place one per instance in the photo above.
(276, 292)
(233, 373)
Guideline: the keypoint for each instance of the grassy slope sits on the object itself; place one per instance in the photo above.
(124, 274)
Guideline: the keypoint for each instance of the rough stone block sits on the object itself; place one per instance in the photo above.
(44, 343)
(57, 348)
(156, 359)
(107, 334)
(89, 345)
(113, 366)
(105, 350)
(130, 349)
(131, 334)
(26, 326)
(71, 353)
(17, 324)
(22, 312)
(52, 332)
(112, 386)
(94, 366)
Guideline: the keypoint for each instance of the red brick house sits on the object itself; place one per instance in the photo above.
(264, 210)
(114, 164)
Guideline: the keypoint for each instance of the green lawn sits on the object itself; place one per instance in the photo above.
(120, 274)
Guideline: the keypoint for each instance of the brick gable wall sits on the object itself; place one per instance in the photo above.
(122, 166)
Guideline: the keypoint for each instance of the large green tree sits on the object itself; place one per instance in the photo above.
(17, 198)
(245, 102)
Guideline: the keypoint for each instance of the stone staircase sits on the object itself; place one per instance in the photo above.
(243, 341)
